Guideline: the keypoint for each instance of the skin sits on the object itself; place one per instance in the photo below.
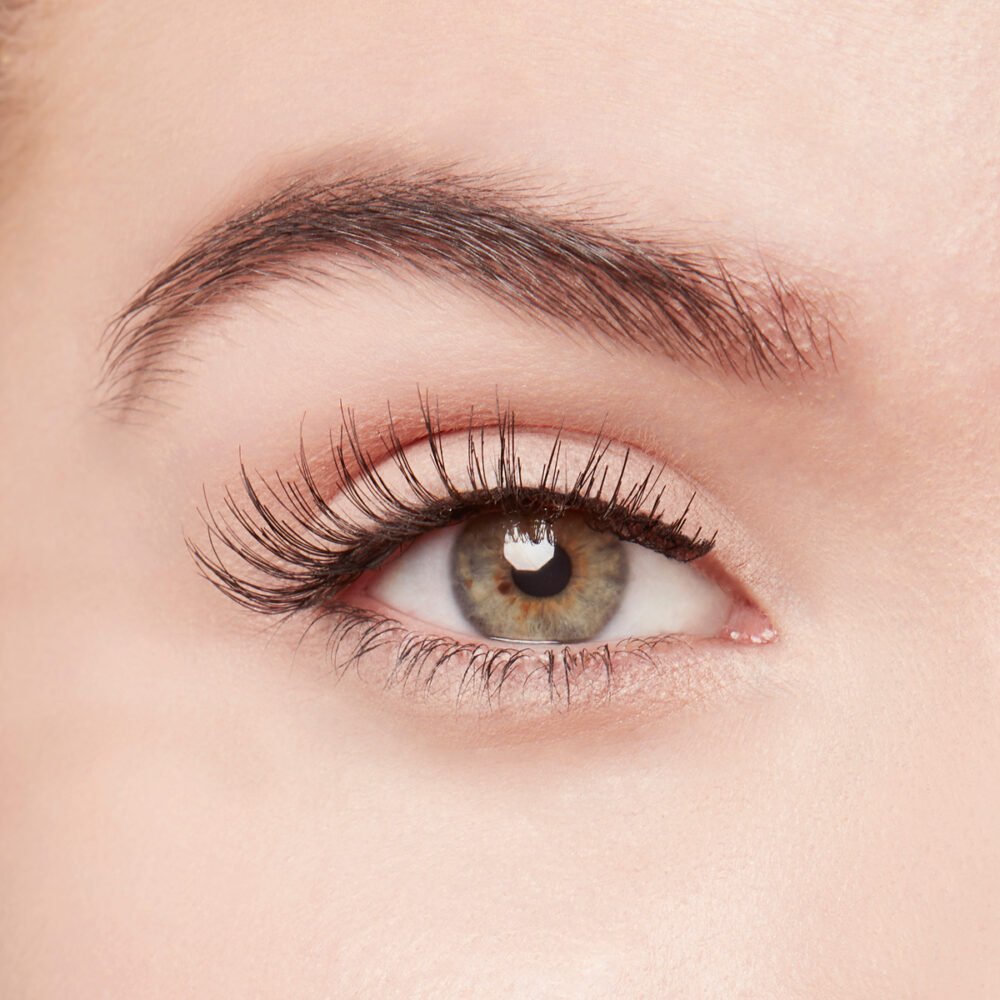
(189, 808)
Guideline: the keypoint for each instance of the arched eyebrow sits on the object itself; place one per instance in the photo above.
(629, 291)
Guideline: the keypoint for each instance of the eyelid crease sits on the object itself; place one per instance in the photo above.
(287, 547)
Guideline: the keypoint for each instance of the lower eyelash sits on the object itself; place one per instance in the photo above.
(559, 675)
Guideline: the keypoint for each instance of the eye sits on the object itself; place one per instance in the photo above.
(558, 580)
(480, 566)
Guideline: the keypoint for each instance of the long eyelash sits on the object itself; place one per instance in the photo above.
(292, 551)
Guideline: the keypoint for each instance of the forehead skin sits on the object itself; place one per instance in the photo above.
(165, 833)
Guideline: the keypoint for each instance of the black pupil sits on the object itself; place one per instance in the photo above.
(547, 581)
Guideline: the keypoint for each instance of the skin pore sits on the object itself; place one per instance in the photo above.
(192, 803)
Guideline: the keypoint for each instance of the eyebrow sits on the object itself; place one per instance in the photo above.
(626, 290)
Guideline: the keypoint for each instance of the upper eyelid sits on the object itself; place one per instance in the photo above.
(262, 537)
(625, 290)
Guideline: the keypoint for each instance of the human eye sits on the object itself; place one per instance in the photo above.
(484, 565)
(549, 579)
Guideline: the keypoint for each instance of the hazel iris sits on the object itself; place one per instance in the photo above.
(537, 580)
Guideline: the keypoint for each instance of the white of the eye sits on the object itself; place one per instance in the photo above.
(418, 583)
(662, 596)
(666, 597)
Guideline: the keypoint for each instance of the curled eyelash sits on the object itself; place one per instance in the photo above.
(283, 548)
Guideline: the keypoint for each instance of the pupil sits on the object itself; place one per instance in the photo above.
(547, 580)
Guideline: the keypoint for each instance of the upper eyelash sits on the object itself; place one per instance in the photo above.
(297, 551)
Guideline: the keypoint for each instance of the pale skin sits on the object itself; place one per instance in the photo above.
(191, 807)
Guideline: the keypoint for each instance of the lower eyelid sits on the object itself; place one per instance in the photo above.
(450, 677)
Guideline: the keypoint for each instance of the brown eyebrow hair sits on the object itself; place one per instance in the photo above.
(626, 290)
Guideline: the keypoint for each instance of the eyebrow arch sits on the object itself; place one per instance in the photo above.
(625, 290)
